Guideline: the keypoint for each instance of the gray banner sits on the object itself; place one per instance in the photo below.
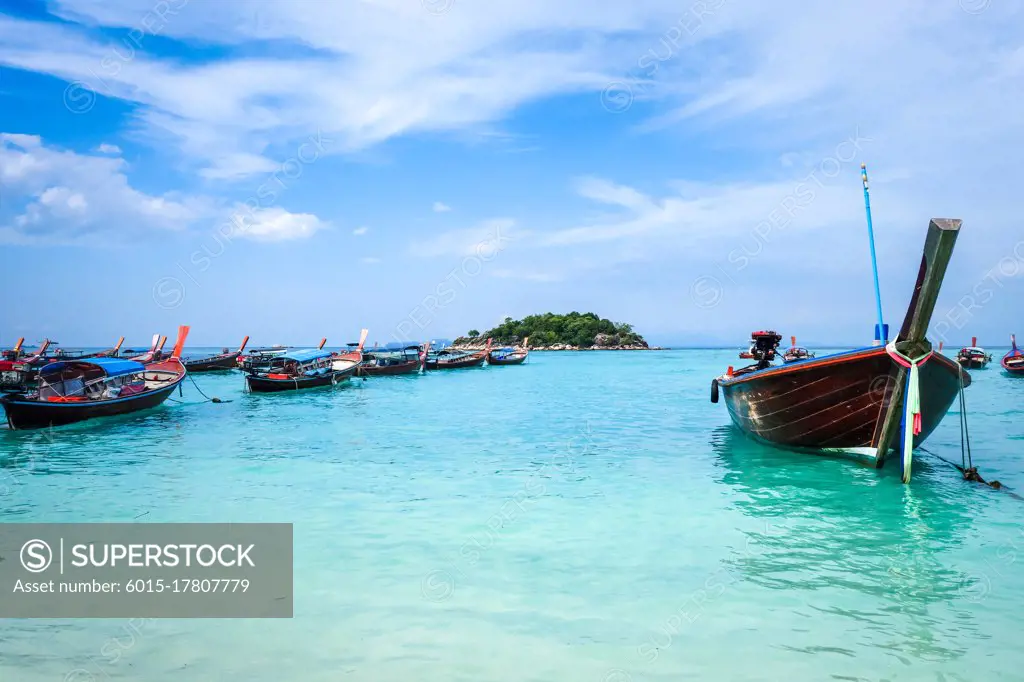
(146, 570)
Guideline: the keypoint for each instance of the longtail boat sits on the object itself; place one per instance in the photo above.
(14, 353)
(356, 352)
(510, 355)
(109, 353)
(144, 355)
(258, 358)
(298, 369)
(973, 357)
(62, 354)
(10, 376)
(225, 360)
(391, 362)
(348, 364)
(449, 359)
(795, 353)
(853, 402)
(22, 372)
(1013, 362)
(75, 390)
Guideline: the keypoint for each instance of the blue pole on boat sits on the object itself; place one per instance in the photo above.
(881, 333)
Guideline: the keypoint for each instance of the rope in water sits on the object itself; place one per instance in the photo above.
(201, 402)
(965, 436)
(212, 400)
(968, 476)
(966, 467)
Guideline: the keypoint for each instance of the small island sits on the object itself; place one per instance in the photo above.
(574, 331)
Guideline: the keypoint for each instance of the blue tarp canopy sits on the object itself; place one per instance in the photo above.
(307, 355)
(112, 367)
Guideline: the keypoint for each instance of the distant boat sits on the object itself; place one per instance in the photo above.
(750, 353)
(11, 376)
(510, 355)
(973, 357)
(151, 354)
(19, 373)
(795, 353)
(225, 360)
(1013, 362)
(449, 359)
(298, 369)
(110, 353)
(79, 389)
(356, 352)
(395, 361)
(853, 402)
(258, 358)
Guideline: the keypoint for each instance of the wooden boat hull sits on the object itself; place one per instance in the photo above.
(835, 403)
(218, 363)
(972, 363)
(370, 370)
(475, 360)
(1013, 369)
(514, 360)
(1013, 362)
(262, 384)
(32, 414)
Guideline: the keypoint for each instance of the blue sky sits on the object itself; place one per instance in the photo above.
(293, 170)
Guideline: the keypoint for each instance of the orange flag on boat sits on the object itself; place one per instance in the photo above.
(179, 345)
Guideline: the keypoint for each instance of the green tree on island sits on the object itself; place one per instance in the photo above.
(583, 330)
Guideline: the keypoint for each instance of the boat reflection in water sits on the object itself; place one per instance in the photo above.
(852, 555)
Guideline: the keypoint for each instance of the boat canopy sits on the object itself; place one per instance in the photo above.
(306, 355)
(397, 345)
(111, 367)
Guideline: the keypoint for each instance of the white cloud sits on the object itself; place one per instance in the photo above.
(370, 260)
(64, 195)
(390, 68)
(703, 212)
(441, 208)
(276, 224)
(232, 166)
(360, 231)
(108, 149)
(483, 241)
(382, 69)
(527, 275)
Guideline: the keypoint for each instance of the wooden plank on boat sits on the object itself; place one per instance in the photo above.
(912, 341)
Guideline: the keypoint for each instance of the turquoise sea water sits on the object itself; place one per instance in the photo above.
(587, 516)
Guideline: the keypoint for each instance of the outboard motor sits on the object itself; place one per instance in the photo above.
(764, 345)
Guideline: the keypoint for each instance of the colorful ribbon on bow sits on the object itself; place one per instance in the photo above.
(912, 401)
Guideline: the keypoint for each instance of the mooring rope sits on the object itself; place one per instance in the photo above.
(201, 402)
(972, 475)
(965, 436)
(966, 467)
